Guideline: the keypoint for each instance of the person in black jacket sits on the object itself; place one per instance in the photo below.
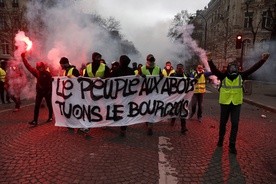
(69, 71)
(179, 72)
(43, 88)
(123, 70)
(231, 97)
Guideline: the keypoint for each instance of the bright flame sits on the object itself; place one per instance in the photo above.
(21, 39)
(28, 42)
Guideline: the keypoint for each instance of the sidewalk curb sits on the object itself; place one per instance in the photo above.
(259, 105)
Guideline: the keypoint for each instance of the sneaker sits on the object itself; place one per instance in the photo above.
(150, 132)
(49, 120)
(33, 123)
(199, 119)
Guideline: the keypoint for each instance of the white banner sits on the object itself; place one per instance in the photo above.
(90, 102)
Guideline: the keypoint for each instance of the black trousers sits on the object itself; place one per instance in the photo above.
(197, 99)
(234, 112)
(2, 91)
(48, 98)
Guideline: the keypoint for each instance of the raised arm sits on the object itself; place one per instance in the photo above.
(256, 66)
(28, 66)
(213, 68)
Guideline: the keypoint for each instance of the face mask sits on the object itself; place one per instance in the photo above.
(150, 64)
(232, 69)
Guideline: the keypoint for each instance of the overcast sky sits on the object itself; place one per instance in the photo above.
(144, 22)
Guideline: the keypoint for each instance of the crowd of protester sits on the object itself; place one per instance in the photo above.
(230, 98)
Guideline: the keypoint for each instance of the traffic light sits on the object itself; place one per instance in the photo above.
(239, 42)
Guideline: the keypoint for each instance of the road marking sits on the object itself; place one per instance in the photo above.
(165, 170)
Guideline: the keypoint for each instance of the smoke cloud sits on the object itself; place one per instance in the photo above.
(265, 73)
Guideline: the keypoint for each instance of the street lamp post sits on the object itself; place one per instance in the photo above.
(205, 28)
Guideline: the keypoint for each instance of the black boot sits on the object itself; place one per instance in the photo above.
(183, 126)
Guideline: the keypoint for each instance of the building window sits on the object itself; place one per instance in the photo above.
(16, 23)
(3, 23)
(5, 47)
(15, 3)
(266, 21)
(248, 19)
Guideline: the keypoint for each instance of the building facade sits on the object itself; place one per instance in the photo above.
(219, 24)
(12, 19)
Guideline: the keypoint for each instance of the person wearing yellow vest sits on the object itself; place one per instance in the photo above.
(150, 69)
(231, 97)
(2, 84)
(200, 89)
(69, 71)
(138, 69)
(168, 69)
(96, 69)
(179, 72)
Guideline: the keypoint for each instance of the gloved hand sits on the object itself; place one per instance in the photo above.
(23, 55)
(265, 56)
(143, 75)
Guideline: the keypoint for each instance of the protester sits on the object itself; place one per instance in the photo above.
(231, 97)
(43, 88)
(134, 66)
(168, 69)
(69, 71)
(138, 69)
(96, 69)
(199, 91)
(179, 72)
(123, 70)
(114, 66)
(2, 84)
(150, 69)
(14, 83)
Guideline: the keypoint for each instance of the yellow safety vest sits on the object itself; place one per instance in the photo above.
(200, 86)
(231, 91)
(155, 71)
(164, 72)
(99, 73)
(2, 75)
(69, 73)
